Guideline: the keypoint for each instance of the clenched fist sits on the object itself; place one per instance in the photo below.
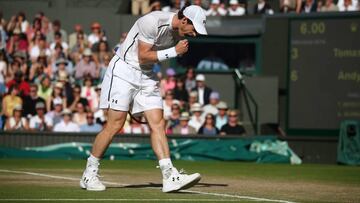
(182, 47)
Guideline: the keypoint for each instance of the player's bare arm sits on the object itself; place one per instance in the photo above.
(149, 56)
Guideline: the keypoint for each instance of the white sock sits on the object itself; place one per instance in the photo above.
(165, 165)
(92, 162)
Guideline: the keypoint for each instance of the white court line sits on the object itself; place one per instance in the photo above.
(124, 200)
(121, 184)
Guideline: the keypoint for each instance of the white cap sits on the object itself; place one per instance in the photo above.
(215, 1)
(198, 17)
(233, 2)
(200, 77)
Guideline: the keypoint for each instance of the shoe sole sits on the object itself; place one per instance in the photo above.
(82, 186)
(186, 186)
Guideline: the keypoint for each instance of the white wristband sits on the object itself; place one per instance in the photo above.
(166, 54)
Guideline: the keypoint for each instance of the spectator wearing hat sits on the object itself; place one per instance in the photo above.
(56, 113)
(40, 121)
(10, 101)
(76, 98)
(213, 101)
(221, 117)
(20, 82)
(58, 93)
(196, 120)
(216, 9)
(16, 122)
(31, 100)
(96, 34)
(193, 98)
(56, 27)
(209, 128)
(235, 9)
(66, 125)
(184, 128)
(86, 66)
(44, 89)
(90, 125)
(61, 67)
(88, 92)
(232, 127)
(202, 90)
(80, 114)
(169, 82)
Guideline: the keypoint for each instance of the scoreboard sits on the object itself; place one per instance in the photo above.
(323, 74)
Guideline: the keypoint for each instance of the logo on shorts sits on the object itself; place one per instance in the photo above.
(114, 101)
(167, 56)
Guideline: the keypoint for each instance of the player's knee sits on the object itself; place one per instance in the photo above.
(113, 127)
(158, 125)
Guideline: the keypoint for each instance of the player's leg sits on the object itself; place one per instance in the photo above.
(172, 179)
(115, 122)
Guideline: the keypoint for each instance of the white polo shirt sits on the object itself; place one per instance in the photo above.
(154, 28)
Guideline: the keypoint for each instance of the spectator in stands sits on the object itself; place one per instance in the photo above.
(103, 67)
(193, 98)
(73, 37)
(329, 6)
(184, 128)
(56, 94)
(173, 119)
(18, 22)
(40, 121)
(347, 5)
(39, 49)
(3, 71)
(78, 49)
(209, 128)
(67, 86)
(17, 42)
(31, 101)
(16, 122)
(34, 30)
(10, 101)
(58, 41)
(232, 127)
(90, 125)
(221, 118)
(56, 113)
(212, 63)
(37, 69)
(167, 103)
(139, 7)
(216, 9)
(309, 6)
(180, 93)
(2, 21)
(101, 51)
(135, 127)
(202, 90)
(44, 89)
(86, 67)
(80, 115)
(190, 79)
(287, 6)
(169, 82)
(66, 125)
(56, 27)
(263, 7)
(211, 107)
(196, 120)
(96, 34)
(235, 9)
(155, 5)
(88, 92)
(76, 98)
(61, 67)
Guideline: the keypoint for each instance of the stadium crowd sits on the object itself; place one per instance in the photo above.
(241, 7)
(50, 80)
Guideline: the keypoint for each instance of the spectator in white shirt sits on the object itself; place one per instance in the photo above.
(66, 125)
(40, 122)
(221, 118)
(196, 120)
(235, 9)
(216, 9)
(211, 107)
(347, 5)
(58, 40)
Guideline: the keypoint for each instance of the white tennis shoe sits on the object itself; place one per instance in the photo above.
(179, 181)
(90, 180)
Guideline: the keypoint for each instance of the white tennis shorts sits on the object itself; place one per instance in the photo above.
(126, 88)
